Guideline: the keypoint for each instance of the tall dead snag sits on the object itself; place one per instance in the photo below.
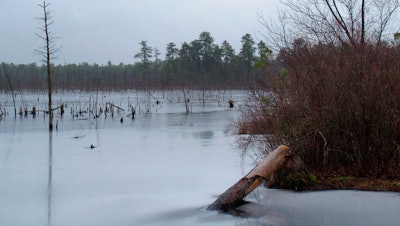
(47, 51)
(11, 87)
(233, 197)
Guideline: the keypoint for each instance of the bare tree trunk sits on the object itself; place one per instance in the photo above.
(11, 87)
(352, 22)
(49, 93)
(363, 23)
(47, 52)
(48, 65)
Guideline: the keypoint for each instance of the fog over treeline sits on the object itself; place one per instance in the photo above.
(198, 64)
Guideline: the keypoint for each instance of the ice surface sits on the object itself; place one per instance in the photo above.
(162, 168)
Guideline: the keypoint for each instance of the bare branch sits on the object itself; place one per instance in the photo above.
(47, 52)
(332, 21)
(339, 19)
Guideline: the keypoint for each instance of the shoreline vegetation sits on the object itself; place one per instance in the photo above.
(283, 168)
(354, 183)
(332, 93)
(335, 181)
(336, 101)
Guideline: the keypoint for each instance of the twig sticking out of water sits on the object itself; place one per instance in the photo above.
(78, 136)
(119, 108)
(187, 100)
(157, 100)
(132, 115)
(230, 102)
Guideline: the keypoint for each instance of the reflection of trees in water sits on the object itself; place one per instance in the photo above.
(50, 177)
(207, 135)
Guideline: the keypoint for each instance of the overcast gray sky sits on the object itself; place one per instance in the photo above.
(98, 31)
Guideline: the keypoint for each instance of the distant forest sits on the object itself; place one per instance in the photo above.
(199, 64)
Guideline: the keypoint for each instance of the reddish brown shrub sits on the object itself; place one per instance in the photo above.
(339, 107)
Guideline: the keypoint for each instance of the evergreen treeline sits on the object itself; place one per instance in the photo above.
(198, 64)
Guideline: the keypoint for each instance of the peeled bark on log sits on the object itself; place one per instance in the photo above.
(233, 197)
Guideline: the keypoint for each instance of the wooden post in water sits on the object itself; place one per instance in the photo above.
(233, 197)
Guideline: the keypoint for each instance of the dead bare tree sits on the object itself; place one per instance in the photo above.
(331, 21)
(11, 87)
(47, 51)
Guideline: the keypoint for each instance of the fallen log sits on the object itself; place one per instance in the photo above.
(233, 197)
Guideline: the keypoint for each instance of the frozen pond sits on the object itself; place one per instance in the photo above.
(161, 168)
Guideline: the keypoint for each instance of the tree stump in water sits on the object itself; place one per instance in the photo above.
(233, 197)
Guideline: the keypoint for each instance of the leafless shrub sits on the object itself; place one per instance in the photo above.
(338, 107)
